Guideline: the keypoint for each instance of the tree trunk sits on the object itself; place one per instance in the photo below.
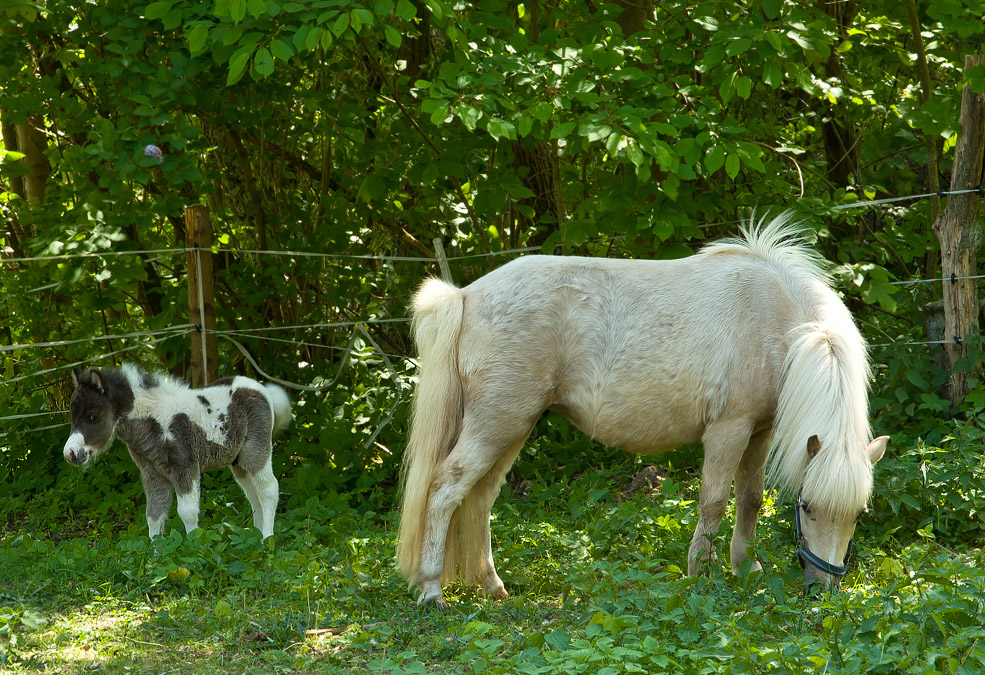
(959, 232)
(31, 141)
(840, 136)
(539, 168)
(15, 233)
(632, 16)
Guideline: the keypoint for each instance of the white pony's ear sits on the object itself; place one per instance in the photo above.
(813, 447)
(876, 449)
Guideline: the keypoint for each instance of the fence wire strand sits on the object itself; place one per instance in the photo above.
(357, 326)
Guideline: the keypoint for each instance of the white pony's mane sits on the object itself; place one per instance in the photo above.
(824, 383)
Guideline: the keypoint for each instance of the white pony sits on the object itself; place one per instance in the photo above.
(743, 346)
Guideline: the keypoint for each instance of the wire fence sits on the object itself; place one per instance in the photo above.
(359, 327)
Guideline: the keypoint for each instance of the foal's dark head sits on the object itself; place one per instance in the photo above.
(101, 398)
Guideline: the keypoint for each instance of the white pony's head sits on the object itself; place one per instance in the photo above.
(824, 534)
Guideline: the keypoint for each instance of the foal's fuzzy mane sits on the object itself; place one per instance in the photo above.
(824, 383)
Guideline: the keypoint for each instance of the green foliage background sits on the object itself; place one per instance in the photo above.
(360, 131)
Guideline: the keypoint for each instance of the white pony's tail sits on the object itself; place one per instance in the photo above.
(436, 413)
(281, 405)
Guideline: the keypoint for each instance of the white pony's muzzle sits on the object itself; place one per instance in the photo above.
(76, 452)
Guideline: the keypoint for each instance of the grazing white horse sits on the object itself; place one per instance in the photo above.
(744, 346)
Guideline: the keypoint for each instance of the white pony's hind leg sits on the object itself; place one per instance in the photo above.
(749, 482)
(188, 505)
(472, 458)
(724, 443)
(490, 485)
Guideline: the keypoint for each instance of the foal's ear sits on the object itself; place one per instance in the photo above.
(876, 449)
(98, 381)
(77, 376)
(813, 447)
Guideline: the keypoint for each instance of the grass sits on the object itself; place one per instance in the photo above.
(595, 579)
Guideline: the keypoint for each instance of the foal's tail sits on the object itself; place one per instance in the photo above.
(437, 413)
(281, 405)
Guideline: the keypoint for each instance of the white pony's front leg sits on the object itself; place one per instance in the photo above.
(725, 442)
(188, 506)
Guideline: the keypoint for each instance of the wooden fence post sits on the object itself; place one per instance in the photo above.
(201, 296)
(959, 232)
(439, 251)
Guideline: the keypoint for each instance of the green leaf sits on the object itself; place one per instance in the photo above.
(771, 8)
(326, 39)
(256, 8)
(470, 116)
(197, 37)
(714, 159)
(172, 19)
(732, 165)
(311, 40)
(237, 66)
(263, 62)
(738, 46)
(772, 75)
(392, 36)
(300, 39)
(340, 25)
(435, 7)
(542, 111)
(500, 128)
(405, 10)
(237, 10)
(372, 187)
(525, 125)
(743, 87)
(281, 50)
(157, 10)
(776, 42)
(562, 130)
(727, 88)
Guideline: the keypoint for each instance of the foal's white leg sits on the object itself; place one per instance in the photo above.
(158, 491)
(245, 481)
(188, 505)
(267, 490)
(749, 481)
(724, 444)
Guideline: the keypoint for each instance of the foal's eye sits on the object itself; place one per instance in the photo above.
(94, 417)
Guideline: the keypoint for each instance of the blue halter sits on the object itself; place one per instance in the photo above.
(804, 554)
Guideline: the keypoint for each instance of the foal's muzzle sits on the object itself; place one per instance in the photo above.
(76, 453)
(806, 556)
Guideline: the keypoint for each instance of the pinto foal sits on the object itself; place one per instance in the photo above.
(174, 433)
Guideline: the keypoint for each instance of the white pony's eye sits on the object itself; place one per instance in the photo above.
(806, 507)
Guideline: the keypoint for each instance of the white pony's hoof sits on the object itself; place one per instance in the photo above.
(755, 567)
(432, 600)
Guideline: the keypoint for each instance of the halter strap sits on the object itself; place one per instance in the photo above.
(805, 555)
